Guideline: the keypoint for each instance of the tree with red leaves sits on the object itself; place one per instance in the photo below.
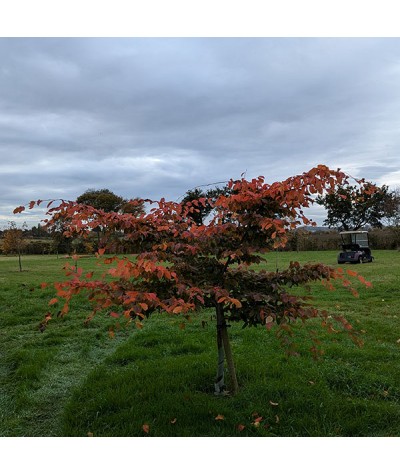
(183, 266)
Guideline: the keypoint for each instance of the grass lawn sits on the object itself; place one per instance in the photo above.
(72, 380)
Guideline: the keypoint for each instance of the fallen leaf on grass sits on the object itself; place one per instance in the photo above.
(146, 428)
(90, 434)
(274, 403)
(173, 421)
(220, 417)
(277, 419)
(311, 382)
(241, 427)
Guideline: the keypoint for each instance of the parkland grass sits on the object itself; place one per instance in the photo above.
(74, 380)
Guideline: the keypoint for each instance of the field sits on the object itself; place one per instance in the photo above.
(73, 380)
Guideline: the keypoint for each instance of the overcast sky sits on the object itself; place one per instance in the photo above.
(156, 117)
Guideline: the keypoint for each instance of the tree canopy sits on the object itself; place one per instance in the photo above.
(13, 241)
(353, 206)
(105, 200)
(199, 213)
(183, 266)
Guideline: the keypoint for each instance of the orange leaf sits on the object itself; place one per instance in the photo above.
(53, 301)
(101, 252)
(111, 333)
(139, 325)
(220, 417)
(19, 209)
(351, 272)
(43, 285)
(146, 428)
(236, 302)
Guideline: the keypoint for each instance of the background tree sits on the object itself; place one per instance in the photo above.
(351, 207)
(186, 267)
(103, 199)
(200, 212)
(392, 208)
(106, 200)
(134, 207)
(14, 241)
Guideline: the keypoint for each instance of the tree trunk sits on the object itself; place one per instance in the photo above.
(229, 360)
(224, 351)
(19, 261)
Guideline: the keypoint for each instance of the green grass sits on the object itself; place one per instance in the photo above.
(72, 380)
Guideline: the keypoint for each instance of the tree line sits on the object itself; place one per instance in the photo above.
(351, 207)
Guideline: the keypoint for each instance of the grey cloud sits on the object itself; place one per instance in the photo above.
(153, 117)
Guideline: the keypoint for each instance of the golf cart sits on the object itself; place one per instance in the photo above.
(355, 247)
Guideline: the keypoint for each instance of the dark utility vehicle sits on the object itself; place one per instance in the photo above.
(355, 247)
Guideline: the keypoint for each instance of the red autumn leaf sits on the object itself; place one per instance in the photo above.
(101, 252)
(352, 273)
(146, 428)
(43, 285)
(19, 209)
(53, 301)
(241, 427)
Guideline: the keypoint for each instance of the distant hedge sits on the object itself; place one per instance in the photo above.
(299, 240)
(302, 240)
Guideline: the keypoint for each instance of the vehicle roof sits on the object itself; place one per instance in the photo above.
(353, 232)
